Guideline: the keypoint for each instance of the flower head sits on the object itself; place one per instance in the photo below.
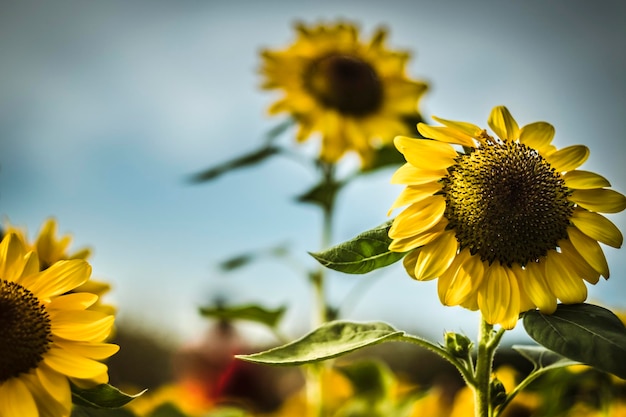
(47, 336)
(508, 225)
(50, 249)
(355, 94)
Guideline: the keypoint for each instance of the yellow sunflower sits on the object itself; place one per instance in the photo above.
(51, 249)
(355, 94)
(47, 336)
(509, 224)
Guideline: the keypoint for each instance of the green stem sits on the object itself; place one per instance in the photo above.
(487, 344)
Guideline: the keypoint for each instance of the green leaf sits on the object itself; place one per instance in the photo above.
(101, 396)
(80, 411)
(328, 341)
(227, 412)
(541, 357)
(369, 378)
(582, 332)
(362, 254)
(385, 156)
(167, 410)
(246, 312)
(243, 259)
(246, 160)
(322, 194)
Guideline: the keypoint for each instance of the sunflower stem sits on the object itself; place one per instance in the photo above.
(487, 344)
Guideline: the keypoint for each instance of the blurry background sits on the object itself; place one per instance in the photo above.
(107, 108)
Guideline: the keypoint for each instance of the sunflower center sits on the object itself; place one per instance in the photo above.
(24, 330)
(345, 83)
(506, 203)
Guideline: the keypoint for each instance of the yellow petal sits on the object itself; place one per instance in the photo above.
(562, 280)
(414, 193)
(494, 294)
(577, 262)
(503, 124)
(61, 277)
(54, 383)
(426, 154)
(434, 258)
(16, 399)
(597, 227)
(569, 158)
(86, 325)
(600, 200)
(74, 301)
(445, 134)
(583, 180)
(409, 262)
(418, 217)
(468, 129)
(420, 239)
(525, 303)
(12, 257)
(88, 349)
(537, 135)
(590, 250)
(534, 284)
(410, 175)
(72, 365)
(461, 279)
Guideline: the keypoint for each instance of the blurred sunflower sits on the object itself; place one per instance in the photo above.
(355, 94)
(48, 338)
(51, 249)
(506, 226)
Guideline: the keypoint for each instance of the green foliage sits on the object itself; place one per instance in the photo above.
(362, 254)
(244, 259)
(80, 411)
(582, 332)
(542, 358)
(167, 410)
(386, 156)
(322, 194)
(328, 341)
(248, 312)
(227, 412)
(101, 396)
(246, 160)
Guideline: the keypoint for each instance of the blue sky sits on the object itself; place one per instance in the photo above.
(106, 108)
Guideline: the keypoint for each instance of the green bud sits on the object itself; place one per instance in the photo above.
(498, 392)
(457, 344)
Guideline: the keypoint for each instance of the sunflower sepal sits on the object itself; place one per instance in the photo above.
(364, 253)
(101, 396)
(583, 332)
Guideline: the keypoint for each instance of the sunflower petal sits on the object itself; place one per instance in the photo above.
(414, 193)
(597, 227)
(583, 180)
(535, 286)
(409, 262)
(565, 285)
(568, 158)
(537, 135)
(494, 295)
(426, 154)
(577, 262)
(88, 349)
(461, 279)
(420, 239)
(72, 365)
(418, 217)
(60, 278)
(85, 325)
(17, 400)
(54, 383)
(410, 175)
(600, 200)
(434, 258)
(503, 124)
(445, 134)
(73, 301)
(468, 129)
(590, 250)
(12, 253)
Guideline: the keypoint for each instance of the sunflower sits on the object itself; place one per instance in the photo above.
(355, 94)
(51, 249)
(48, 338)
(507, 225)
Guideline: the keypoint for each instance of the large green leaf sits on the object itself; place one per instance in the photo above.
(541, 357)
(362, 254)
(328, 341)
(243, 161)
(247, 312)
(101, 396)
(582, 332)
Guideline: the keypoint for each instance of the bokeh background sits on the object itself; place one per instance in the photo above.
(108, 107)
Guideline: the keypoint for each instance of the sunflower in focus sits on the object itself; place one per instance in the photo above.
(48, 338)
(355, 94)
(509, 224)
(51, 249)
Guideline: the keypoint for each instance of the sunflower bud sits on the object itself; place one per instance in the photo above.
(457, 344)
